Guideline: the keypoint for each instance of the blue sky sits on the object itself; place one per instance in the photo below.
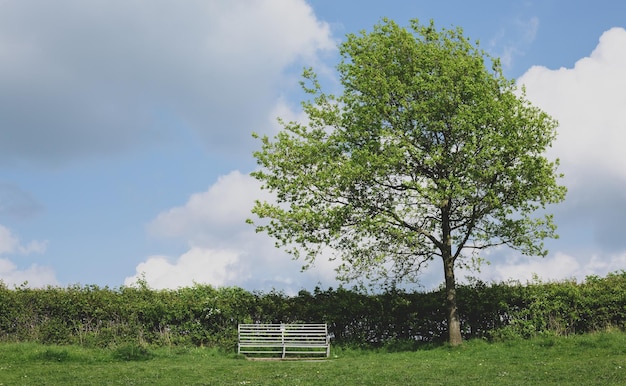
(125, 131)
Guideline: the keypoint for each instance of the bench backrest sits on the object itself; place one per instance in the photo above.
(300, 338)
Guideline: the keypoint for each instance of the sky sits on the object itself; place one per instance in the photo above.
(126, 146)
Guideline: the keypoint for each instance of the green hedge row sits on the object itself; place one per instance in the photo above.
(203, 315)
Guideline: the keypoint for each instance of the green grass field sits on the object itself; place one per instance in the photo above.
(595, 359)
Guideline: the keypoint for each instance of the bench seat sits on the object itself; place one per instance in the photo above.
(295, 339)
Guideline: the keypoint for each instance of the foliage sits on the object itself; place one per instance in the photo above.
(201, 315)
(426, 154)
(563, 308)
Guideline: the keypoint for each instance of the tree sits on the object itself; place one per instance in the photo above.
(428, 152)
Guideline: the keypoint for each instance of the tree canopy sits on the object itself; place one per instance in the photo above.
(429, 152)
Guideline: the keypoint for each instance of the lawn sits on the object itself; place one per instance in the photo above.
(593, 359)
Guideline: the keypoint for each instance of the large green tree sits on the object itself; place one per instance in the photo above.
(429, 152)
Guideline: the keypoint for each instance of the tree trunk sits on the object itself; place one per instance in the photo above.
(454, 322)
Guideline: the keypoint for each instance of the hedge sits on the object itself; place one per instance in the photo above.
(206, 316)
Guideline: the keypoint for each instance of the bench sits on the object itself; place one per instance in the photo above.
(272, 340)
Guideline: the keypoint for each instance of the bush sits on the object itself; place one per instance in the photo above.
(205, 316)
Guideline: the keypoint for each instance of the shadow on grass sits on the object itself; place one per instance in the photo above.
(132, 352)
(407, 346)
(53, 355)
(398, 346)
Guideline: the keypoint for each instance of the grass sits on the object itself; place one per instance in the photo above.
(594, 359)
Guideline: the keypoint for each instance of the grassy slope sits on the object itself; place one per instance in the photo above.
(581, 360)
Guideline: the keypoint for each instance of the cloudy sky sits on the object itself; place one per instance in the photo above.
(125, 131)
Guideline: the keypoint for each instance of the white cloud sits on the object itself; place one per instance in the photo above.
(588, 101)
(529, 29)
(35, 276)
(556, 267)
(198, 265)
(214, 216)
(10, 244)
(10, 274)
(289, 30)
(283, 110)
(514, 39)
(33, 247)
(107, 76)
(224, 250)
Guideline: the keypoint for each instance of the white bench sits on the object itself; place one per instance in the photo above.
(271, 340)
